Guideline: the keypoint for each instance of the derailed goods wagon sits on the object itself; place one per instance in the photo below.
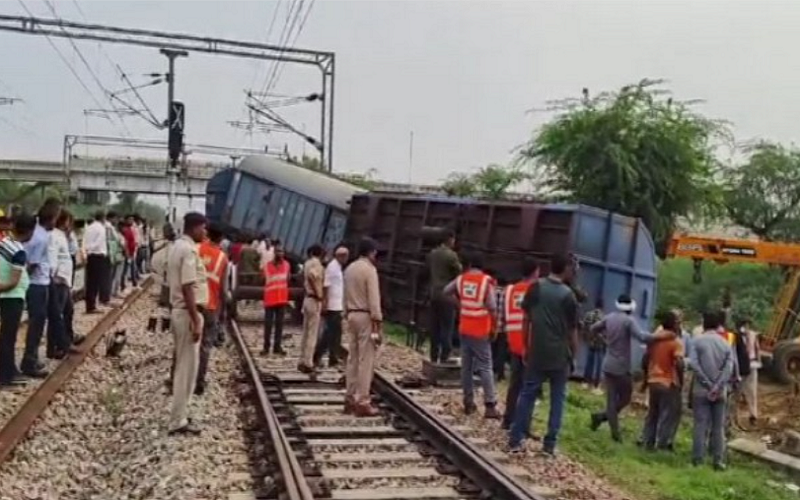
(263, 194)
(615, 253)
(266, 195)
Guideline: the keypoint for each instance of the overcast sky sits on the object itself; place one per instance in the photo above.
(459, 74)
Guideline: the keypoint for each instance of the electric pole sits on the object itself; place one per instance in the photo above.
(175, 125)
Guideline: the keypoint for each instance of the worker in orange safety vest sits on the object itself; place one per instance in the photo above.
(477, 304)
(517, 329)
(216, 264)
(276, 298)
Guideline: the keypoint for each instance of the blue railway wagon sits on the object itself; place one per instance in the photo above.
(267, 195)
(616, 253)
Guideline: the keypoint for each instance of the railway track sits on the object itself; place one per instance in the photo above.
(407, 452)
(37, 396)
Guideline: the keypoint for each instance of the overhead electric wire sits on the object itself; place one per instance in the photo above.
(289, 22)
(266, 40)
(296, 36)
(152, 119)
(88, 66)
(64, 59)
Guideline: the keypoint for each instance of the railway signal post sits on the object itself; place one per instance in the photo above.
(175, 126)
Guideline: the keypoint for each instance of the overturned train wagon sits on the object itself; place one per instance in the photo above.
(615, 253)
(266, 195)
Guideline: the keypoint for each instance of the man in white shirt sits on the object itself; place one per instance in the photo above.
(334, 305)
(98, 267)
(58, 342)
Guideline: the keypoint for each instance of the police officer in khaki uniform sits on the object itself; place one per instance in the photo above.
(188, 293)
(313, 277)
(364, 326)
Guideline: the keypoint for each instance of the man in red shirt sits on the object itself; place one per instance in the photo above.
(130, 251)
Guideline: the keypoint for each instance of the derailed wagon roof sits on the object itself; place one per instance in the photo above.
(319, 186)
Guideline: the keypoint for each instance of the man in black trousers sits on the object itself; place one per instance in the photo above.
(95, 247)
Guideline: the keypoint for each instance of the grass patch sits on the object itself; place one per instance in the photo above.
(657, 475)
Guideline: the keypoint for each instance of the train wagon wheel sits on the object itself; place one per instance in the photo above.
(786, 362)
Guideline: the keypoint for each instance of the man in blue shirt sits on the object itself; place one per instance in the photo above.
(38, 292)
(13, 286)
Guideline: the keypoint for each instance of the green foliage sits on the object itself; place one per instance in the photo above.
(763, 193)
(492, 181)
(459, 184)
(753, 287)
(636, 152)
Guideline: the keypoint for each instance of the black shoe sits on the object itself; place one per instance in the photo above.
(279, 352)
(265, 352)
(696, 462)
(617, 438)
(505, 425)
(548, 452)
(12, 384)
(187, 430)
(470, 408)
(491, 412)
(41, 373)
(199, 389)
(597, 421)
(753, 421)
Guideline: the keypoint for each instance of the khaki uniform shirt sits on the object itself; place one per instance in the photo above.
(184, 266)
(313, 277)
(362, 289)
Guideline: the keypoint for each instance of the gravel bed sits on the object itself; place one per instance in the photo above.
(11, 399)
(105, 435)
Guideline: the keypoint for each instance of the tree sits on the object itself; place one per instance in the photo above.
(763, 193)
(492, 181)
(635, 151)
(459, 184)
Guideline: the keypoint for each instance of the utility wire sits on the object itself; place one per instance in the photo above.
(64, 59)
(152, 119)
(296, 36)
(86, 64)
(291, 17)
(266, 40)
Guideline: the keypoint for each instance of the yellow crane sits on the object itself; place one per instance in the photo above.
(780, 343)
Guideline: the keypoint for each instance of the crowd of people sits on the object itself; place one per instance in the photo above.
(197, 268)
(38, 259)
(534, 325)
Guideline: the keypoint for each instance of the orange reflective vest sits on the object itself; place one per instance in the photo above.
(514, 317)
(474, 319)
(276, 284)
(216, 263)
(729, 337)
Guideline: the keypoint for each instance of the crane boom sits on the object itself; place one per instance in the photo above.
(734, 250)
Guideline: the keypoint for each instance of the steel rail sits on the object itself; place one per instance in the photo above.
(484, 472)
(21, 422)
(292, 473)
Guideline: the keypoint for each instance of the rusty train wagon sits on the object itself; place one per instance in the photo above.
(615, 253)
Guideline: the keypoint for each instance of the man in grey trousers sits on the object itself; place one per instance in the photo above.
(619, 329)
(713, 363)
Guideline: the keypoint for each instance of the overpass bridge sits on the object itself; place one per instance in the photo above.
(122, 175)
(139, 175)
